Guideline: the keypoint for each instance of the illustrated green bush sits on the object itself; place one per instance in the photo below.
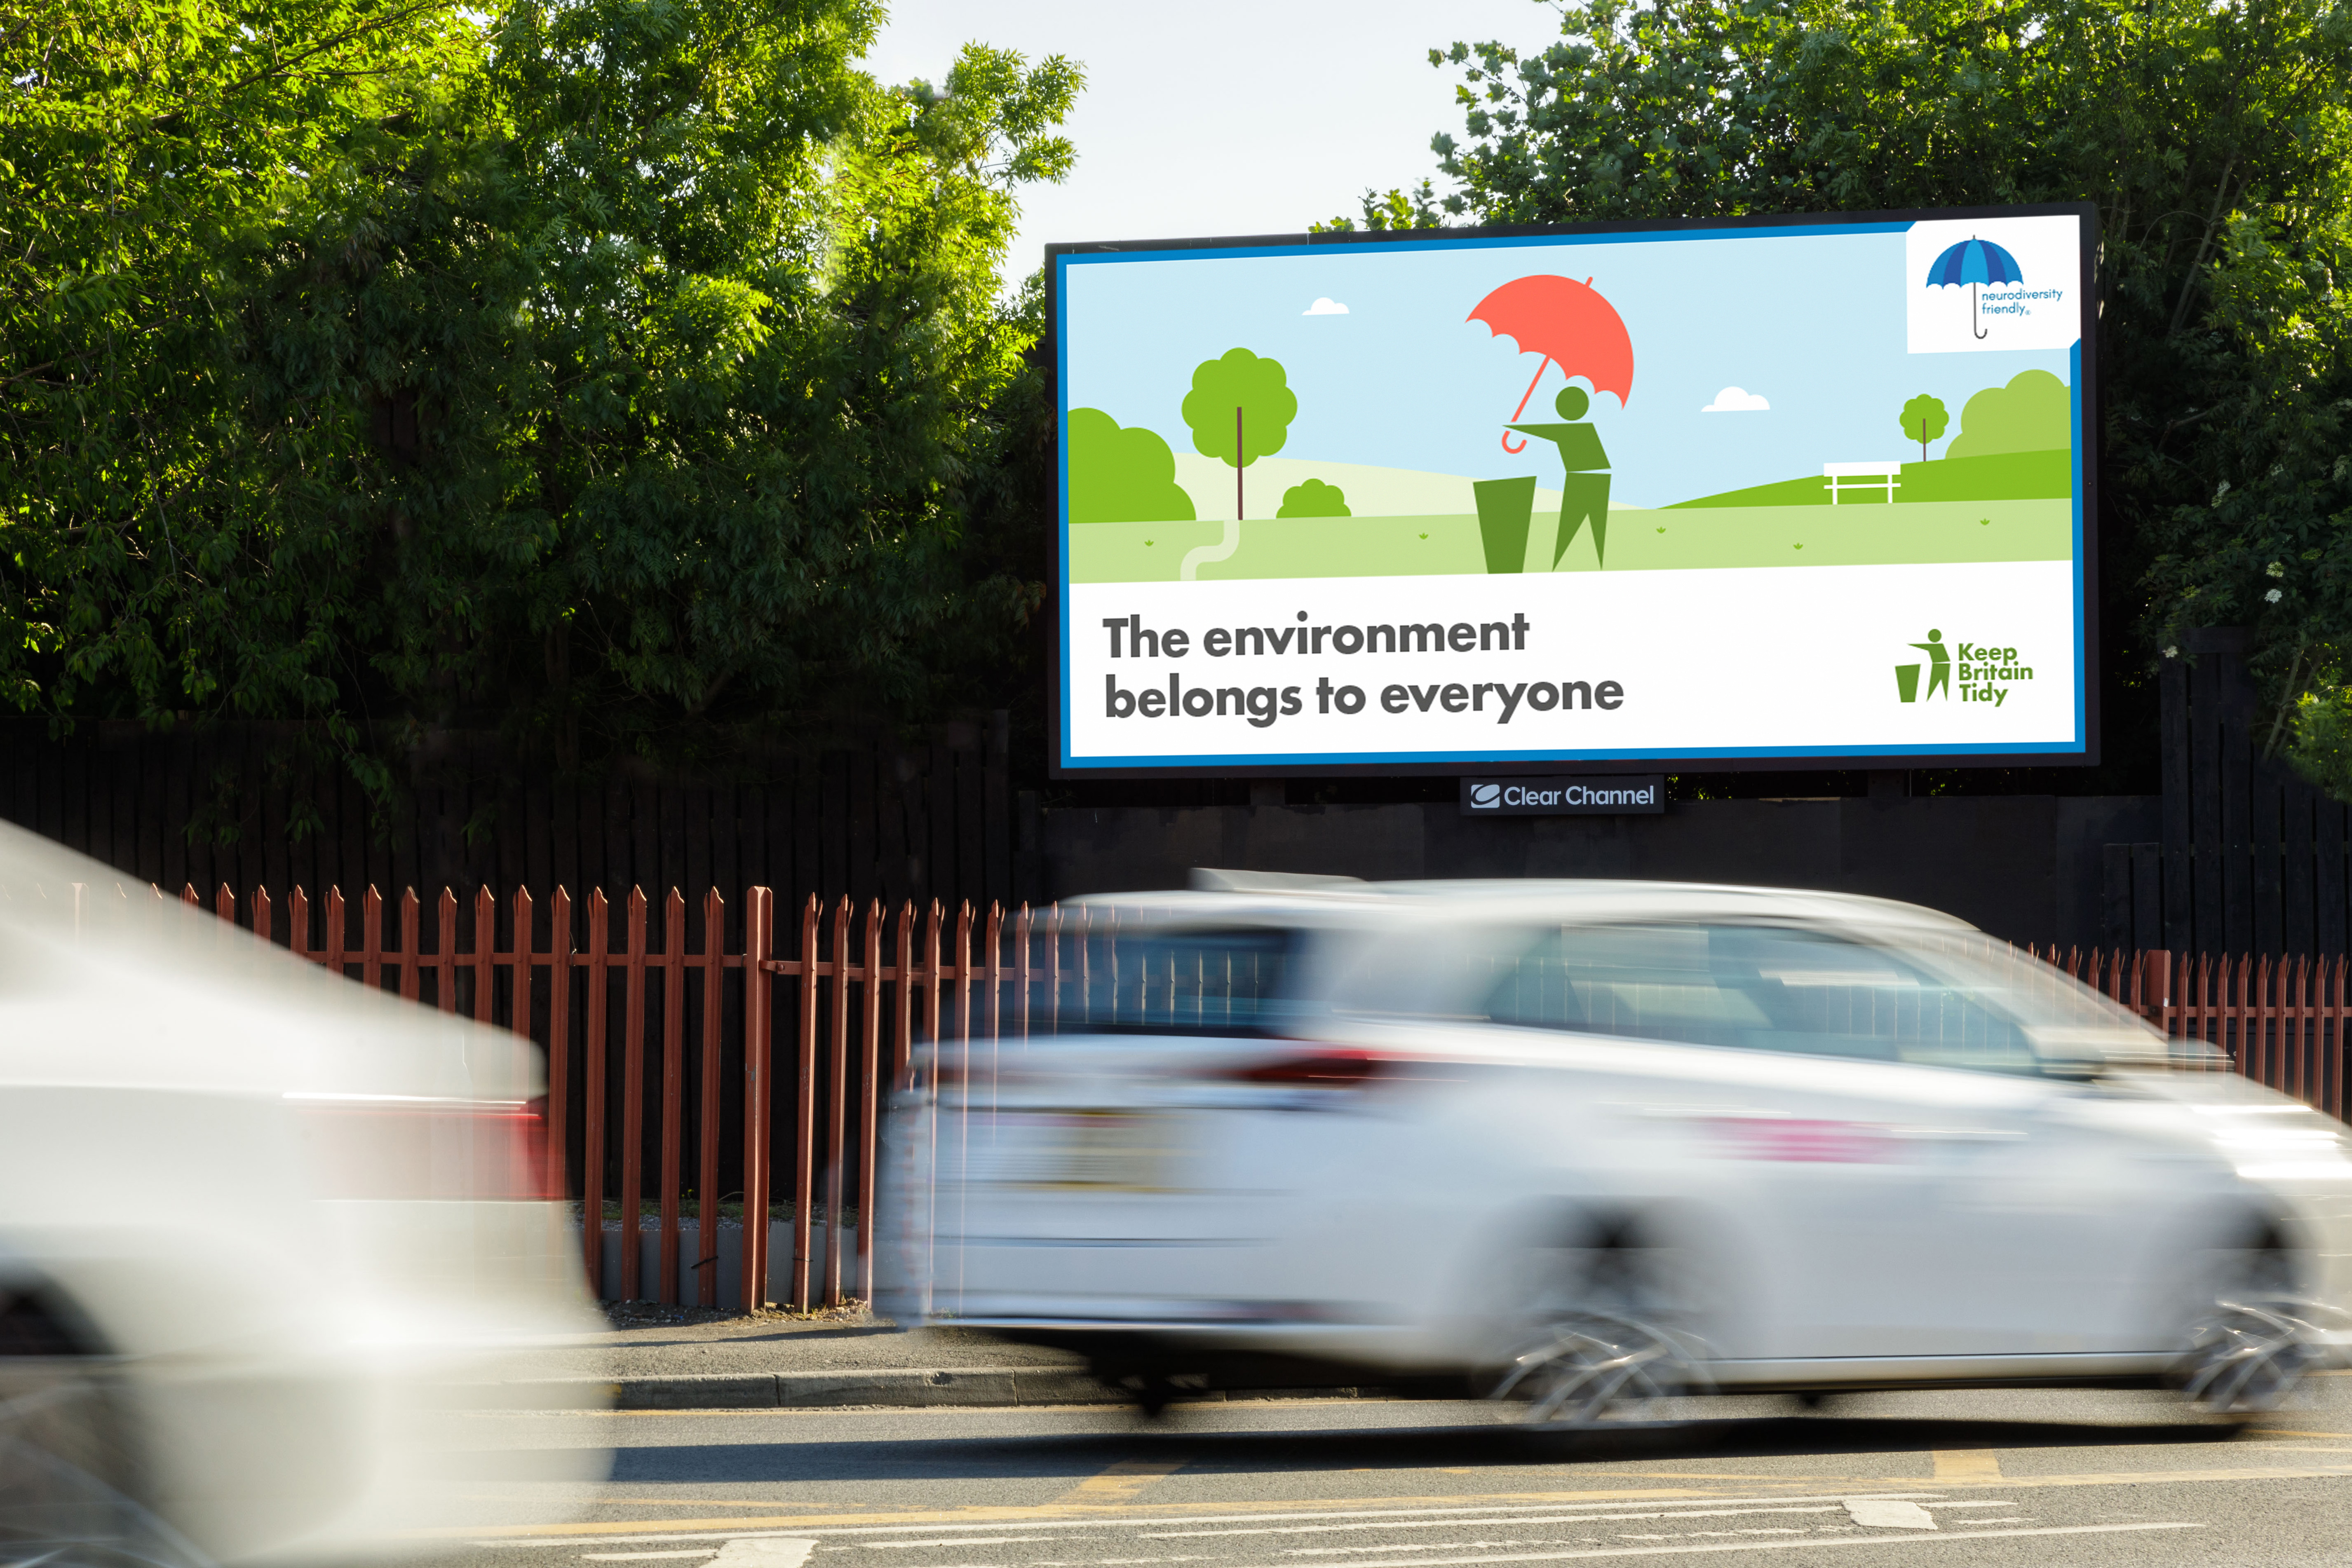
(1314, 499)
(1923, 418)
(2033, 413)
(1258, 390)
(1121, 475)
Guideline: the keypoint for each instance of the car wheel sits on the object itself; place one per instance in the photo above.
(2251, 1346)
(65, 1471)
(1613, 1337)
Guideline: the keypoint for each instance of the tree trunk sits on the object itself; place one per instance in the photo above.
(1239, 464)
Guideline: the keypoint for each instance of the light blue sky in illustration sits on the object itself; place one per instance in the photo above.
(1813, 323)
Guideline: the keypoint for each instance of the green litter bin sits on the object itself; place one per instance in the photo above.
(1505, 508)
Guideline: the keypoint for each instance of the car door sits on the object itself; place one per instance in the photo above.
(1129, 1168)
(1879, 1141)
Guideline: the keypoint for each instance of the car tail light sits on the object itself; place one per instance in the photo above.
(1325, 1069)
(400, 1146)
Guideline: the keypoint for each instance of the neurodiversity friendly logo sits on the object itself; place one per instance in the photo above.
(1973, 262)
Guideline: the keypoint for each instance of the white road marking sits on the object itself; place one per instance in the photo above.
(643, 1556)
(1668, 1511)
(1889, 1513)
(1809, 1542)
(1407, 1546)
(977, 1540)
(765, 1552)
(1498, 1513)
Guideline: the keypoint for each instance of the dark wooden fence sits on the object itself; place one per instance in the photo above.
(2253, 858)
(223, 807)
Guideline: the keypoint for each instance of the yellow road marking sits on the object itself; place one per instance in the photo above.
(986, 1514)
(1968, 1464)
(1120, 1483)
(982, 1513)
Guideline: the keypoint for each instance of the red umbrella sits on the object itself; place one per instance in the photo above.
(1570, 325)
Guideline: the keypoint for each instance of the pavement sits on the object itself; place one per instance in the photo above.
(690, 1360)
(1975, 1479)
(655, 1361)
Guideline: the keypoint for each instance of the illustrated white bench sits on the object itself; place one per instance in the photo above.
(1884, 477)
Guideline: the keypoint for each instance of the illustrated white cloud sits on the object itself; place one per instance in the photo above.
(1737, 400)
(1325, 308)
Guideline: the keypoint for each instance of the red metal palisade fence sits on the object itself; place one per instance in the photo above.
(678, 1081)
(2282, 1021)
(834, 1014)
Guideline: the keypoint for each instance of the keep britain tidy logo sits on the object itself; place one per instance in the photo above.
(1977, 672)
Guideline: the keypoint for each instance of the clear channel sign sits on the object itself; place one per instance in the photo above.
(1802, 492)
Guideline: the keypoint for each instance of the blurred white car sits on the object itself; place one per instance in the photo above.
(1583, 1143)
(256, 1220)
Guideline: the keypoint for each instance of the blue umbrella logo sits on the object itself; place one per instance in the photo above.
(1974, 261)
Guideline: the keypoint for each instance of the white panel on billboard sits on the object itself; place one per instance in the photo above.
(1774, 494)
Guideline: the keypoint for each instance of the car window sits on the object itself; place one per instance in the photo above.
(1227, 980)
(1753, 987)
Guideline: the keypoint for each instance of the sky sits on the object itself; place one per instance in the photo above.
(1221, 117)
(1814, 325)
(1228, 117)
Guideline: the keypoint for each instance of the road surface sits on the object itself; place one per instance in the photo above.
(1936, 1481)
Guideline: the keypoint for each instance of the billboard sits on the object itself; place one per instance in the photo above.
(1801, 492)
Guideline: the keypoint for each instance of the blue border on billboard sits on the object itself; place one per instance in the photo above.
(2082, 751)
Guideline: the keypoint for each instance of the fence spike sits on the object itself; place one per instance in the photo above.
(869, 1107)
(559, 1037)
(633, 1101)
(759, 1088)
(805, 1045)
(599, 1003)
(714, 974)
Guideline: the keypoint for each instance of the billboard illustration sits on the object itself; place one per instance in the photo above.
(1781, 492)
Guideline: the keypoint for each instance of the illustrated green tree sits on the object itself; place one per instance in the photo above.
(2034, 412)
(1924, 419)
(1314, 499)
(1239, 410)
(2216, 141)
(1121, 475)
(615, 377)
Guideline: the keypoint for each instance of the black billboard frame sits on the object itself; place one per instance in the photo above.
(2086, 455)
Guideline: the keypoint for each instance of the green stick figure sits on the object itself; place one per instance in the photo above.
(1939, 667)
(1585, 494)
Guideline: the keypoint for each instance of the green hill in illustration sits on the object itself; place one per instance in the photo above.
(1372, 492)
(2002, 476)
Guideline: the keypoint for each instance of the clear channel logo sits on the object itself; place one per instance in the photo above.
(1614, 795)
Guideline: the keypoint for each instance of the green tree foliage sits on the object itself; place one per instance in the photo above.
(2035, 412)
(1121, 475)
(2319, 722)
(1396, 208)
(1924, 419)
(622, 375)
(1314, 499)
(178, 442)
(1258, 389)
(2215, 139)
